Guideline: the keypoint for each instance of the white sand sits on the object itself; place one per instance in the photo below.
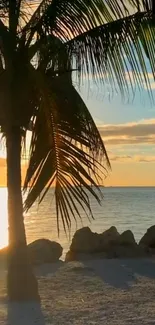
(108, 292)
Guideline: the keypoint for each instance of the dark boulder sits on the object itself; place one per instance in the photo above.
(148, 240)
(87, 244)
(86, 241)
(127, 238)
(108, 238)
(44, 251)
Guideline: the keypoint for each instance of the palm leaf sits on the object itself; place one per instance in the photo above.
(109, 52)
(112, 51)
(67, 19)
(66, 150)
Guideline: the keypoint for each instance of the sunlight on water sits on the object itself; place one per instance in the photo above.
(3, 218)
(126, 208)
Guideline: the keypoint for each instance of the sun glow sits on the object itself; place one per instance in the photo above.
(3, 218)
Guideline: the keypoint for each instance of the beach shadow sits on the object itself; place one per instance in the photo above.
(141, 267)
(25, 313)
(113, 272)
(122, 273)
(46, 269)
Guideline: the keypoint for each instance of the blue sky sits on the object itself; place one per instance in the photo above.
(115, 109)
(132, 148)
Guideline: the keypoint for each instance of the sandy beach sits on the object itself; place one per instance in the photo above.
(106, 291)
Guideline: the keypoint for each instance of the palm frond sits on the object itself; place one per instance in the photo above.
(66, 151)
(142, 5)
(67, 19)
(111, 52)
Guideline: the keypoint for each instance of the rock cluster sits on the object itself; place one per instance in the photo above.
(110, 244)
(87, 245)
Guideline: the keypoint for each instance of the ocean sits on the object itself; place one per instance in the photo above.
(124, 207)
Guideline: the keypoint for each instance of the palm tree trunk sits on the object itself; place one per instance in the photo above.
(22, 284)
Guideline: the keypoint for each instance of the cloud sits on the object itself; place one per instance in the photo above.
(118, 158)
(129, 140)
(141, 132)
(146, 159)
(141, 128)
(130, 158)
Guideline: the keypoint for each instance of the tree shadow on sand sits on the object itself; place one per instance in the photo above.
(122, 273)
(48, 268)
(17, 313)
(25, 314)
(30, 313)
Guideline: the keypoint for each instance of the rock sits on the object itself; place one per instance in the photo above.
(125, 246)
(44, 251)
(71, 256)
(148, 240)
(127, 238)
(84, 241)
(108, 238)
(111, 233)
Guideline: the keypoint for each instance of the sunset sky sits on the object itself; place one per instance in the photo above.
(128, 130)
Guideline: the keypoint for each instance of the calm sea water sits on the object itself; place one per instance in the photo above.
(126, 208)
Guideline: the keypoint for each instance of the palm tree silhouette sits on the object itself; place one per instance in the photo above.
(41, 44)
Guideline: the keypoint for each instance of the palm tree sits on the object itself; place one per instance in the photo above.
(41, 43)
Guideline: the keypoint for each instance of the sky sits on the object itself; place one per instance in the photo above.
(128, 131)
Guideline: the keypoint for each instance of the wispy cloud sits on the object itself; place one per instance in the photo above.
(123, 158)
(134, 158)
(141, 132)
(147, 140)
